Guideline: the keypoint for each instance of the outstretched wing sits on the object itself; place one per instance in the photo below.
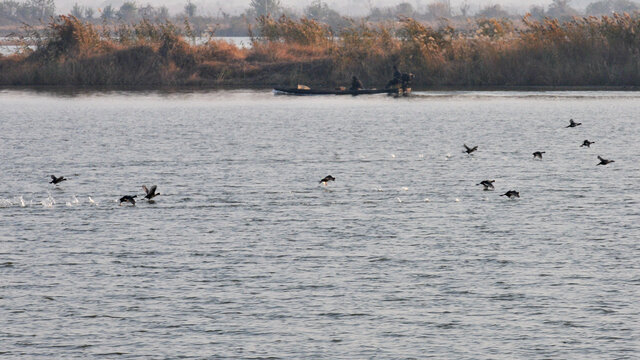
(53, 177)
(600, 158)
(146, 191)
(152, 191)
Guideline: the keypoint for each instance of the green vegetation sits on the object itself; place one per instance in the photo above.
(588, 51)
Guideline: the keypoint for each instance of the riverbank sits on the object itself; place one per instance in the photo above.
(83, 89)
(591, 53)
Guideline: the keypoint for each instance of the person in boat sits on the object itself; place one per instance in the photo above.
(396, 73)
(400, 80)
(405, 81)
(356, 84)
(397, 78)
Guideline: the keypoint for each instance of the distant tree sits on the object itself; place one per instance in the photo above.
(561, 9)
(77, 11)
(88, 13)
(377, 13)
(108, 13)
(492, 11)
(317, 10)
(605, 7)
(41, 9)
(439, 10)
(404, 9)
(464, 8)
(190, 9)
(320, 11)
(265, 7)
(147, 12)
(163, 12)
(128, 11)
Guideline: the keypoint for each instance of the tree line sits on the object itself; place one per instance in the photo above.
(16, 12)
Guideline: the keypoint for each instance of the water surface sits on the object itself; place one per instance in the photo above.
(245, 255)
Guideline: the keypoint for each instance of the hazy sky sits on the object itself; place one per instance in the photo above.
(350, 7)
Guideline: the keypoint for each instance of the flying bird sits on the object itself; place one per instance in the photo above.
(538, 154)
(604, 161)
(129, 199)
(326, 179)
(469, 150)
(573, 123)
(150, 193)
(56, 180)
(488, 184)
(587, 143)
(511, 194)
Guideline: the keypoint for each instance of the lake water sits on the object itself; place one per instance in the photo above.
(245, 255)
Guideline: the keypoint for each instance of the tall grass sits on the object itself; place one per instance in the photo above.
(588, 51)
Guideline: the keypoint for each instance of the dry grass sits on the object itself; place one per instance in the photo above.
(582, 52)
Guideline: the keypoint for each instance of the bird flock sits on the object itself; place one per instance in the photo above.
(151, 193)
(131, 199)
(488, 184)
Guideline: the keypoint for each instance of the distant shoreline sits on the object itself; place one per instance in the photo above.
(581, 55)
(188, 88)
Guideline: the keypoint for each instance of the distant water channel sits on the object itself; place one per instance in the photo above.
(7, 48)
(245, 255)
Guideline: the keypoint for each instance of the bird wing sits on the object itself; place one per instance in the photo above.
(600, 158)
(144, 187)
(153, 189)
(53, 177)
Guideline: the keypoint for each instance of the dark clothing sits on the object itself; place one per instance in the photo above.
(356, 84)
(406, 79)
(393, 83)
(400, 80)
(396, 73)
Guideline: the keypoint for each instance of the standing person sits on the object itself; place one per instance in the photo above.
(397, 78)
(396, 73)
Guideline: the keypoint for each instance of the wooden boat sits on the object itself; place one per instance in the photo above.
(307, 91)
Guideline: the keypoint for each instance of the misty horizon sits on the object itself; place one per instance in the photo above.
(347, 8)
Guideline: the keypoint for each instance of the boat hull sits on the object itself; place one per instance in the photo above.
(302, 92)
